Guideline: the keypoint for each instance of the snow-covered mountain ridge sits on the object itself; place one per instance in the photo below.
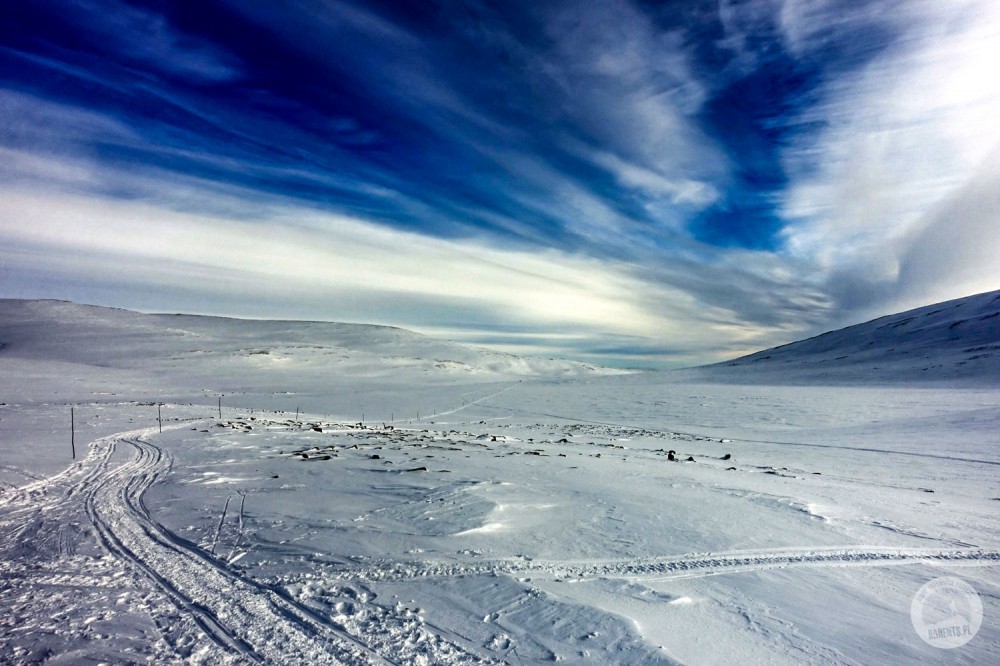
(957, 340)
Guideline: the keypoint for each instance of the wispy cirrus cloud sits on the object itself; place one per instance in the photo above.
(912, 135)
(731, 174)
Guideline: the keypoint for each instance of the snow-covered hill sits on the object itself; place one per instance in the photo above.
(956, 340)
(121, 339)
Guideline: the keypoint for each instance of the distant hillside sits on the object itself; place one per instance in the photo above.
(124, 340)
(956, 340)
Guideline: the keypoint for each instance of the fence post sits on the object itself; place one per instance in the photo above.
(72, 430)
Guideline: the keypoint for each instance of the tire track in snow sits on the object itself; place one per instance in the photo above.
(235, 613)
(43, 525)
(256, 623)
(684, 566)
(737, 562)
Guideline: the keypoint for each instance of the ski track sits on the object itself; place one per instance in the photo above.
(26, 474)
(251, 622)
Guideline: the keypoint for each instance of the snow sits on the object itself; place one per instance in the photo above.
(955, 341)
(529, 514)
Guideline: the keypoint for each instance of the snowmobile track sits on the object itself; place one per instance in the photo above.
(685, 566)
(236, 613)
(222, 611)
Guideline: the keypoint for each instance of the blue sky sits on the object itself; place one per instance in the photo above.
(626, 182)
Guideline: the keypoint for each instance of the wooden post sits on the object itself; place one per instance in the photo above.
(72, 431)
(159, 417)
(220, 407)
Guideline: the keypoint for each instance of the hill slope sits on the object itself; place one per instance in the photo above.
(59, 331)
(956, 340)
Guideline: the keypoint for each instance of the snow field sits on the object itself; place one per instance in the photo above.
(518, 519)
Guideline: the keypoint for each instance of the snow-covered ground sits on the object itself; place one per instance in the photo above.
(361, 499)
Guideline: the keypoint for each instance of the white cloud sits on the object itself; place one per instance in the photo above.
(680, 191)
(810, 26)
(957, 251)
(148, 38)
(314, 256)
(30, 166)
(632, 88)
(905, 137)
(44, 125)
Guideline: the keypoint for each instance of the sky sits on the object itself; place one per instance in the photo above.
(625, 182)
